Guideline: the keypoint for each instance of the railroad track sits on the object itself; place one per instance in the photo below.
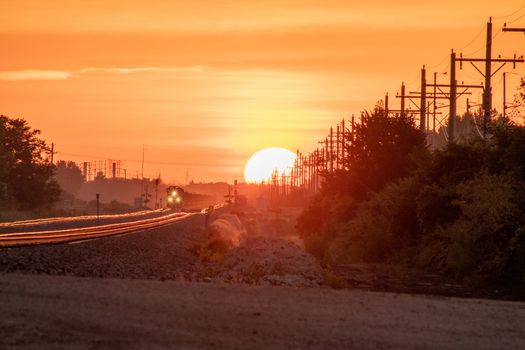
(84, 233)
(46, 221)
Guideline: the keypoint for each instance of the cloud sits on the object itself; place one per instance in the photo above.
(35, 74)
(42, 74)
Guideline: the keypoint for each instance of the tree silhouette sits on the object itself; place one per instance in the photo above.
(69, 176)
(24, 170)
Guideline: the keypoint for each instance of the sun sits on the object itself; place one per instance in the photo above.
(262, 164)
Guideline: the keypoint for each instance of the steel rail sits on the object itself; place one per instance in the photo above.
(52, 220)
(84, 233)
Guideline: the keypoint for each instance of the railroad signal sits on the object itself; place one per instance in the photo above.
(98, 206)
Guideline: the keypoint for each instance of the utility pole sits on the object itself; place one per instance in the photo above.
(331, 150)
(353, 128)
(487, 96)
(235, 188)
(402, 99)
(488, 74)
(142, 189)
(504, 94)
(402, 110)
(156, 191)
(428, 117)
(434, 113)
(98, 205)
(337, 148)
(452, 101)
(52, 152)
(507, 29)
(143, 151)
(343, 144)
(386, 103)
(423, 103)
(324, 159)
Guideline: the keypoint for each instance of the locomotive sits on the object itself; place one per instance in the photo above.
(175, 197)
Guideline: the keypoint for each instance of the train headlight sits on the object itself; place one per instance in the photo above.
(177, 199)
(170, 199)
(174, 193)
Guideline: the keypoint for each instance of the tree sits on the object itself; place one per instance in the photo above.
(27, 174)
(383, 150)
(69, 176)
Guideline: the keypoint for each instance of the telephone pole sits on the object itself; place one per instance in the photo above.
(487, 96)
(52, 152)
(331, 150)
(142, 189)
(402, 99)
(504, 94)
(452, 102)
(488, 74)
(516, 30)
(423, 102)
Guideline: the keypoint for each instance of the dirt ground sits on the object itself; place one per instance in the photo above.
(60, 312)
(148, 290)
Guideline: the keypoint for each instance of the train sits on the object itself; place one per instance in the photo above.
(175, 197)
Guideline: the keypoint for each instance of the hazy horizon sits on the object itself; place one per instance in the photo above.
(207, 85)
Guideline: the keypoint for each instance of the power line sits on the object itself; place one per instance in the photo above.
(520, 17)
(512, 14)
(474, 39)
(153, 161)
(445, 58)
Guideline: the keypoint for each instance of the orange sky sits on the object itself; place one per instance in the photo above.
(209, 83)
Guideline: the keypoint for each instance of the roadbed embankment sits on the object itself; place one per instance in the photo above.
(49, 312)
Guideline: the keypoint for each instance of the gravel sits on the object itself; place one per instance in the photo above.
(162, 253)
(168, 253)
(274, 261)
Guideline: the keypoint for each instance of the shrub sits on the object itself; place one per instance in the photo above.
(382, 228)
(215, 247)
(484, 239)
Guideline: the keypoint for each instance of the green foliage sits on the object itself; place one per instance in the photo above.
(27, 174)
(382, 228)
(492, 216)
(384, 150)
(459, 210)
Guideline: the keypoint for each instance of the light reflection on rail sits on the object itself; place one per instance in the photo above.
(77, 218)
(84, 233)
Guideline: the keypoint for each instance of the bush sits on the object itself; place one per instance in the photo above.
(485, 238)
(382, 229)
(215, 247)
(458, 211)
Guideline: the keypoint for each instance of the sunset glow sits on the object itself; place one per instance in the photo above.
(263, 163)
(204, 85)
